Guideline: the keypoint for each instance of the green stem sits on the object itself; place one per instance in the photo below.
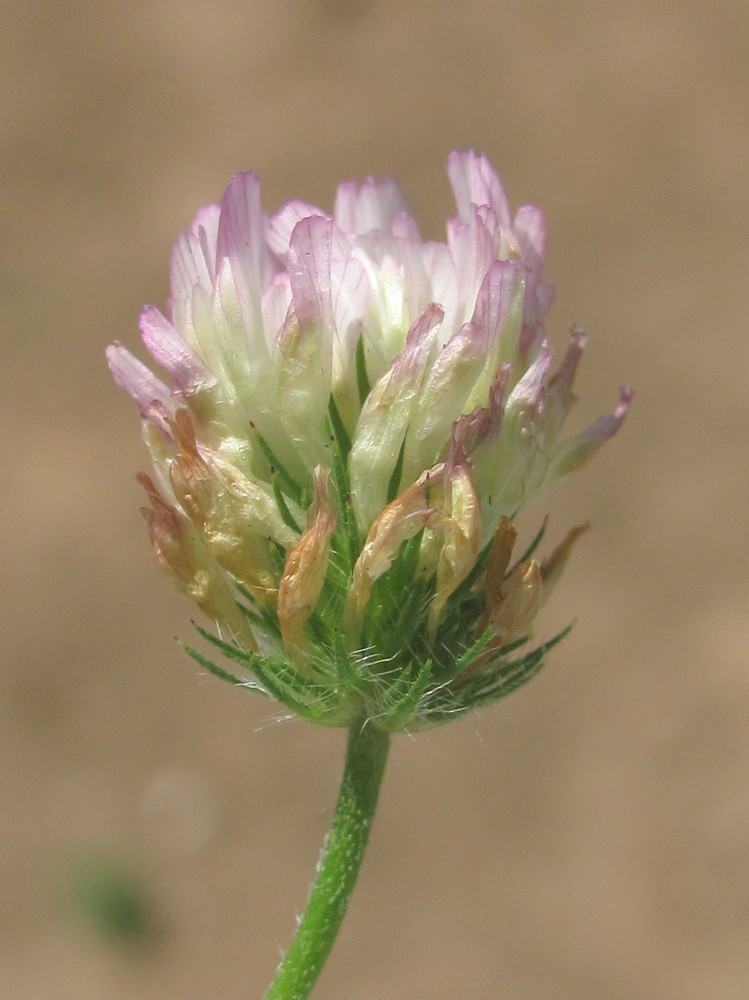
(338, 867)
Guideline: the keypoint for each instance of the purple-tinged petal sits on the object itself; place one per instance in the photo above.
(580, 448)
(408, 250)
(462, 377)
(560, 396)
(350, 295)
(473, 428)
(132, 375)
(474, 182)
(170, 350)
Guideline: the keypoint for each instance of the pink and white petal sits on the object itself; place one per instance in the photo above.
(194, 259)
(205, 227)
(132, 375)
(475, 246)
(474, 182)
(409, 252)
(351, 293)
(304, 350)
(497, 295)
(360, 210)
(170, 350)
(385, 417)
(241, 230)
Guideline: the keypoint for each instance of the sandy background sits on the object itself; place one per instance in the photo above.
(589, 837)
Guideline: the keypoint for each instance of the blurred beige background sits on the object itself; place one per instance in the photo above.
(589, 837)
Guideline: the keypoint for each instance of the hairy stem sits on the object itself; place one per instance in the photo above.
(338, 867)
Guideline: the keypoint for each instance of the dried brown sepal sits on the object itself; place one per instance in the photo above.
(306, 567)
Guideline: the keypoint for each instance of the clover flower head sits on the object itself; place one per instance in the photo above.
(350, 419)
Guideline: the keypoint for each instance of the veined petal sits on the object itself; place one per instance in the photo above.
(279, 228)
(306, 567)
(241, 233)
(194, 262)
(510, 466)
(241, 241)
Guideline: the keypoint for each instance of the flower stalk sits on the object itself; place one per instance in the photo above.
(338, 866)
